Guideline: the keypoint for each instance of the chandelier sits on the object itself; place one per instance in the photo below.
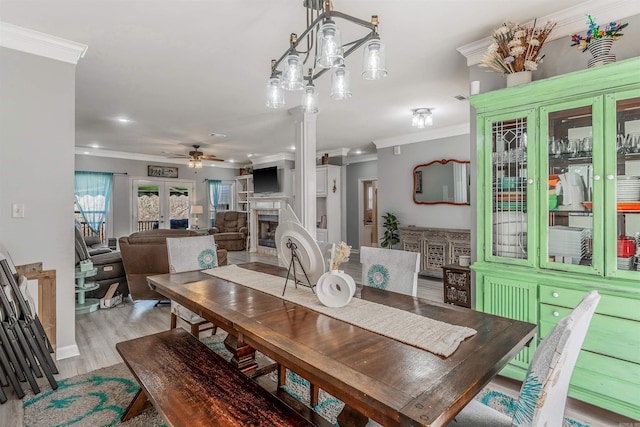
(421, 118)
(321, 45)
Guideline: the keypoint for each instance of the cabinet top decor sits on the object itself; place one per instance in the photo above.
(610, 31)
(516, 47)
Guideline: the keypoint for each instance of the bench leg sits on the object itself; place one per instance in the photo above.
(313, 394)
(140, 403)
(351, 417)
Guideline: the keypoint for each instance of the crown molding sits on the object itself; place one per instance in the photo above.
(149, 158)
(336, 152)
(568, 21)
(428, 135)
(41, 44)
(272, 158)
(360, 158)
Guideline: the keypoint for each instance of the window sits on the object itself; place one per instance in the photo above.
(225, 195)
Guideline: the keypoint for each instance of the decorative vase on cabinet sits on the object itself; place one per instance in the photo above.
(519, 78)
(551, 213)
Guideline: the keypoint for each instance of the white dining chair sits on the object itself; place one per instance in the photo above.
(191, 254)
(390, 269)
(543, 394)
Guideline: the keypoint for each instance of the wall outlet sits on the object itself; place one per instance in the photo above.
(17, 210)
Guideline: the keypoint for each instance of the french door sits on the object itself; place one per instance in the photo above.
(158, 203)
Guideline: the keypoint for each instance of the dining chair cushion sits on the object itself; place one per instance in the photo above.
(390, 269)
(190, 254)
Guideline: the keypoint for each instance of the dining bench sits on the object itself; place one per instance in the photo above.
(189, 384)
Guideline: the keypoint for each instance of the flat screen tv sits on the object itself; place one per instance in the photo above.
(265, 180)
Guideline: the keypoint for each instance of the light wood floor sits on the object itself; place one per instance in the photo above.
(97, 334)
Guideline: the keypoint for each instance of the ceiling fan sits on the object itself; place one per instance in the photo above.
(195, 157)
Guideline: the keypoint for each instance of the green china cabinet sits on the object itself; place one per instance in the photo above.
(559, 214)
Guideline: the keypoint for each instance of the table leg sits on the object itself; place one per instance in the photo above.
(244, 357)
(139, 404)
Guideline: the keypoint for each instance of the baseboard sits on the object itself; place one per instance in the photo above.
(67, 352)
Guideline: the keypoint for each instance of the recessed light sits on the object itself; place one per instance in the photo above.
(218, 135)
(231, 161)
(94, 145)
(293, 148)
(249, 154)
(123, 119)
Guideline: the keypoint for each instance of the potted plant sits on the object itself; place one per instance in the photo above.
(391, 235)
(515, 50)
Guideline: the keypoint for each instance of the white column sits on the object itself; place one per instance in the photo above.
(305, 134)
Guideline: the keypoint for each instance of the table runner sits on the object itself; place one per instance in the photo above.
(422, 332)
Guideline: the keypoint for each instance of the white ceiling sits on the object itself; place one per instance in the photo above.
(181, 70)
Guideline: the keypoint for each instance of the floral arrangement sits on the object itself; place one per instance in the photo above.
(516, 48)
(611, 31)
(339, 254)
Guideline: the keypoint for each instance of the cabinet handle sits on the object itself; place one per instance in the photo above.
(610, 177)
(596, 177)
(530, 181)
(555, 295)
(556, 314)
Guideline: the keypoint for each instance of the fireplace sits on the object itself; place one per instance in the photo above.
(267, 225)
(263, 221)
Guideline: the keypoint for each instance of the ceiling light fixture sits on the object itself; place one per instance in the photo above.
(195, 163)
(321, 42)
(421, 118)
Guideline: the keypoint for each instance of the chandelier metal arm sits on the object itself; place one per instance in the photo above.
(326, 15)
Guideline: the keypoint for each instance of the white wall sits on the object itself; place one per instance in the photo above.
(37, 137)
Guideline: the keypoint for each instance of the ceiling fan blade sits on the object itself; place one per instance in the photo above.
(215, 159)
(208, 157)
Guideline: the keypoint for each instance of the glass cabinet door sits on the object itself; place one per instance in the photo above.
(572, 190)
(510, 186)
(623, 215)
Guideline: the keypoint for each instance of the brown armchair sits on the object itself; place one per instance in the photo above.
(145, 254)
(231, 231)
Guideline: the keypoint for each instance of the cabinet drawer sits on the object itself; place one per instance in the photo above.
(611, 305)
(601, 375)
(611, 336)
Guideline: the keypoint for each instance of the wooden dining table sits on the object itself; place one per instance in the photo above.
(375, 376)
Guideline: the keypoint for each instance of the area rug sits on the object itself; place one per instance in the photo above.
(99, 398)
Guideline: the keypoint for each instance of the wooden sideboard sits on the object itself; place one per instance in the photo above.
(437, 246)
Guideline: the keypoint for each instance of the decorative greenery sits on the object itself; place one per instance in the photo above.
(516, 48)
(611, 31)
(340, 253)
(391, 235)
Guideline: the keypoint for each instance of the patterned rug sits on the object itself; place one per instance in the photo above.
(99, 398)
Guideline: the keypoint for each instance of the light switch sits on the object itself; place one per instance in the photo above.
(17, 210)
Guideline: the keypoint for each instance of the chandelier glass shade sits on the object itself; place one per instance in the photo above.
(275, 93)
(374, 60)
(292, 73)
(321, 45)
(330, 52)
(422, 118)
(341, 83)
(310, 99)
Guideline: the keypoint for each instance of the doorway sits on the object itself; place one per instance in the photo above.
(160, 204)
(368, 208)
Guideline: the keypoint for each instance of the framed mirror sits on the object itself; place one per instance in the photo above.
(444, 181)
